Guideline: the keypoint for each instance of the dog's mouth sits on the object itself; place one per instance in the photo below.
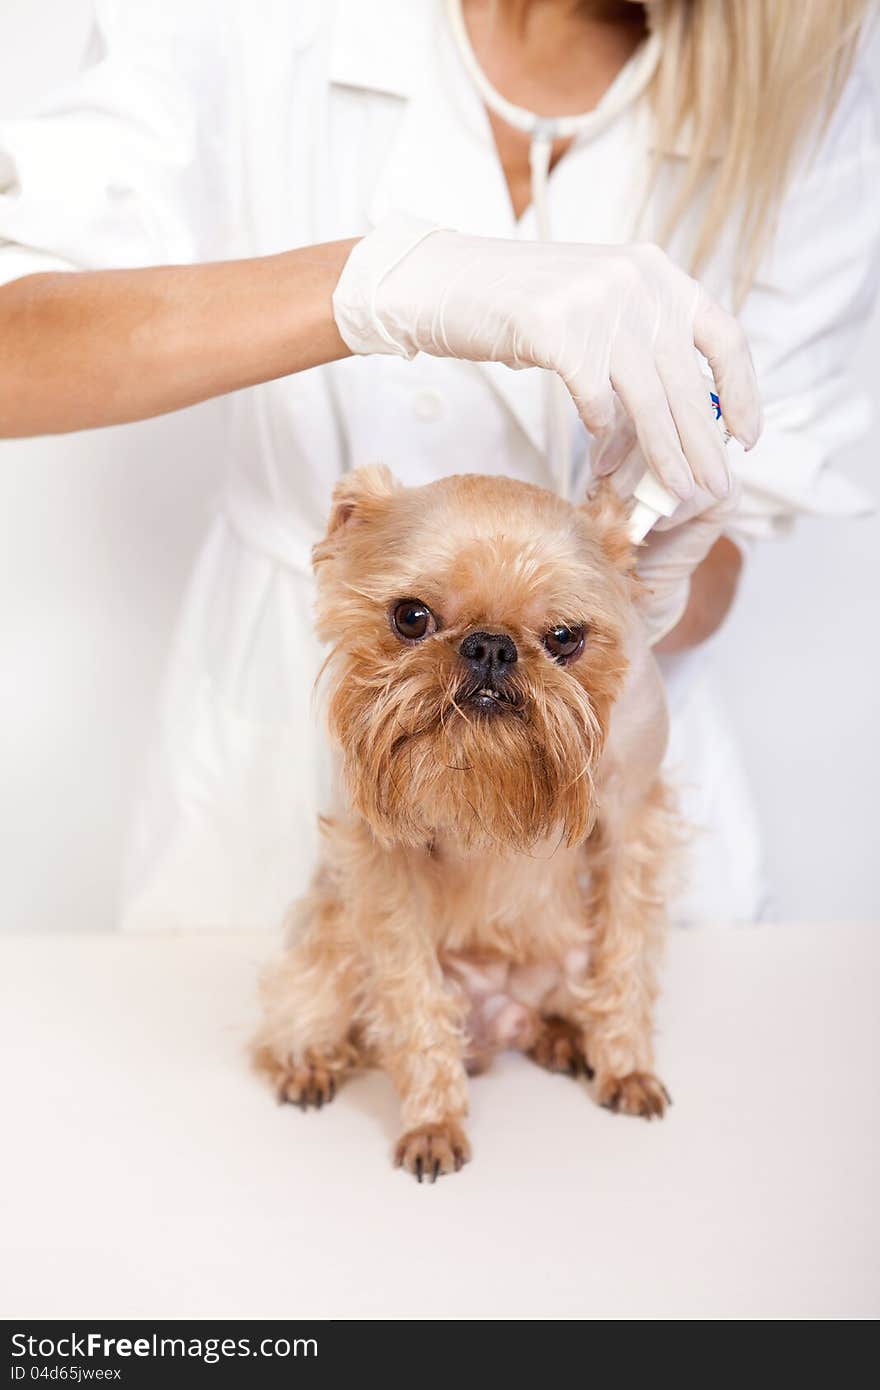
(491, 698)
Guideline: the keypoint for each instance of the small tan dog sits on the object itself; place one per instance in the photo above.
(499, 877)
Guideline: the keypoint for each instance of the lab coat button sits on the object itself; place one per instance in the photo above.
(428, 405)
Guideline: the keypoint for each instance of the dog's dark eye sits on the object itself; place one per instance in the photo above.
(413, 619)
(564, 643)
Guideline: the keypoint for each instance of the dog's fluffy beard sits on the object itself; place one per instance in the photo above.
(421, 759)
(418, 761)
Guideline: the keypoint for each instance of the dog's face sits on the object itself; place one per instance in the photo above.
(476, 629)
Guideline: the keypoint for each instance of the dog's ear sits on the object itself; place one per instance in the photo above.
(606, 515)
(358, 496)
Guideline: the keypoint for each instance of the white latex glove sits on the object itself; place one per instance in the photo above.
(608, 319)
(669, 554)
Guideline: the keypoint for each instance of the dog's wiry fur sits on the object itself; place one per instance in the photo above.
(498, 877)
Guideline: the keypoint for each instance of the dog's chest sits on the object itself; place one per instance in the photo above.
(523, 909)
(513, 938)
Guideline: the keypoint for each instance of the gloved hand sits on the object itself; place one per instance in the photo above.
(672, 550)
(608, 319)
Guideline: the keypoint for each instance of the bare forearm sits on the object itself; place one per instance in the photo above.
(713, 588)
(94, 348)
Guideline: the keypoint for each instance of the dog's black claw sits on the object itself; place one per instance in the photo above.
(419, 1168)
(435, 1172)
(458, 1156)
(332, 1089)
(573, 1067)
(589, 1073)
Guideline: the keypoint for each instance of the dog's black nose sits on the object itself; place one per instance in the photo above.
(489, 654)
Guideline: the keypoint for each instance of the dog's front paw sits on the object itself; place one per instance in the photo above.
(432, 1150)
(309, 1085)
(639, 1093)
(312, 1081)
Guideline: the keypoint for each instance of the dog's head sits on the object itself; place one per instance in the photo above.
(476, 630)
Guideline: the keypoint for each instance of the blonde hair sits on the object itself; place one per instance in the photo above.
(750, 83)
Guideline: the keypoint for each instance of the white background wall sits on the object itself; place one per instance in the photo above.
(97, 533)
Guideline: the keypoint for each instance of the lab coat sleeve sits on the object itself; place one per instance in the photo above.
(107, 171)
(804, 318)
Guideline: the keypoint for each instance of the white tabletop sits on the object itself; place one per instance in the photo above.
(147, 1174)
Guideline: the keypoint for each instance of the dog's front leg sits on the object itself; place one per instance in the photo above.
(628, 917)
(414, 1023)
(629, 857)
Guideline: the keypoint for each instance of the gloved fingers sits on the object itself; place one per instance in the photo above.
(702, 505)
(676, 553)
(609, 451)
(666, 561)
(595, 403)
(628, 474)
(689, 398)
(639, 387)
(684, 513)
(722, 341)
(665, 566)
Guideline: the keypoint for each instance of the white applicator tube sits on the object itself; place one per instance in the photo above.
(651, 502)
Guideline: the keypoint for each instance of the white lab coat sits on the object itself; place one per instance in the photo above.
(215, 128)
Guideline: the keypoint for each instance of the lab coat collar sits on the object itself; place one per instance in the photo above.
(380, 45)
